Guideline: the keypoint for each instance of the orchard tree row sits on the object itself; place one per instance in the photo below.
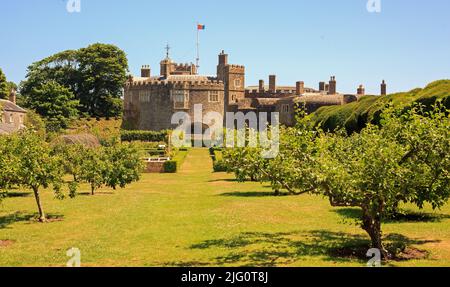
(405, 159)
(28, 161)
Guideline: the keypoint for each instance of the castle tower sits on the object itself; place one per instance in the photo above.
(272, 83)
(361, 90)
(332, 86)
(233, 77)
(145, 71)
(300, 88)
(261, 86)
(383, 88)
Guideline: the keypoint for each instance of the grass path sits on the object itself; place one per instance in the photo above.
(197, 218)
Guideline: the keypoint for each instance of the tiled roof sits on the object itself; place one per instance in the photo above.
(10, 107)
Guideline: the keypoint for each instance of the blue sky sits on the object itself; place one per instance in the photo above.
(408, 43)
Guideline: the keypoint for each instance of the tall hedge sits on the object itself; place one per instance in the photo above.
(145, 136)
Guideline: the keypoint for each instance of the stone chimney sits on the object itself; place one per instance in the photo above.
(322, 87)
(272, 83)
(332, 86)
(383, 88)
(361, 90)
(300, 88)
(12, 96)
(261, 86)
(145, 71)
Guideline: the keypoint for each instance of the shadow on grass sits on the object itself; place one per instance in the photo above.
(19, 216)
(252, 194)
(224, 180)
(18, 194)
(258, 249)
(96, 193)
(407, 216)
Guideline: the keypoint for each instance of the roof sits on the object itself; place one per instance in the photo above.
(10, 107)
(267, 101)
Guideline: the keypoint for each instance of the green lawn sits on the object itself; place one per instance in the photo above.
(197, 218)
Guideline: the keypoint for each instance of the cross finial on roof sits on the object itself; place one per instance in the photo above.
(167, 50)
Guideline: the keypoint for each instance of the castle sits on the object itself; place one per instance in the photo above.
(150, 101)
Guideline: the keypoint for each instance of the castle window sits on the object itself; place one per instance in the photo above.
(233, 98)
(214, 96)
(237, 83)
(285, 108)
(180, 98)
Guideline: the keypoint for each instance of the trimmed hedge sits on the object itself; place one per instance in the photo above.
(144, 136)
(170, 166)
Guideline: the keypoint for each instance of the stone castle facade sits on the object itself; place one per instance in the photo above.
(150, 101)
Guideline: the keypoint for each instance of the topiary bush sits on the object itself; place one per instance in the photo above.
(170, 166)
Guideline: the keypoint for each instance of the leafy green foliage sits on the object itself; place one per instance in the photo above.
(404, 159)
(220, 166)
(170, 166)
(4, 91)
(145, 136)
(95, 75)
(27, 161)
(94, 168)
(124, 165)
(355, 116)
(59, 110)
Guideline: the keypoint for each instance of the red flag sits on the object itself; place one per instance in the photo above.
(201, 27)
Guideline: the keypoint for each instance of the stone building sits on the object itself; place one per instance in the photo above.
(150, 101)
(12, 117)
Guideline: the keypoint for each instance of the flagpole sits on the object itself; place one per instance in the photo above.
(198, 48)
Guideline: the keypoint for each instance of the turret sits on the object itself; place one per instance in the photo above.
(223, 58)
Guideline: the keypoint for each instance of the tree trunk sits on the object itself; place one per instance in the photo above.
(372, 225)
(39, 205)
(92, 190)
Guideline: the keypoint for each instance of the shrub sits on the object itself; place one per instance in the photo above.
(170, 166)
(145, 136)
(220, 166)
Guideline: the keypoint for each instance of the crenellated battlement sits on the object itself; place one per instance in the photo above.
(236, 69)
(213, 84)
